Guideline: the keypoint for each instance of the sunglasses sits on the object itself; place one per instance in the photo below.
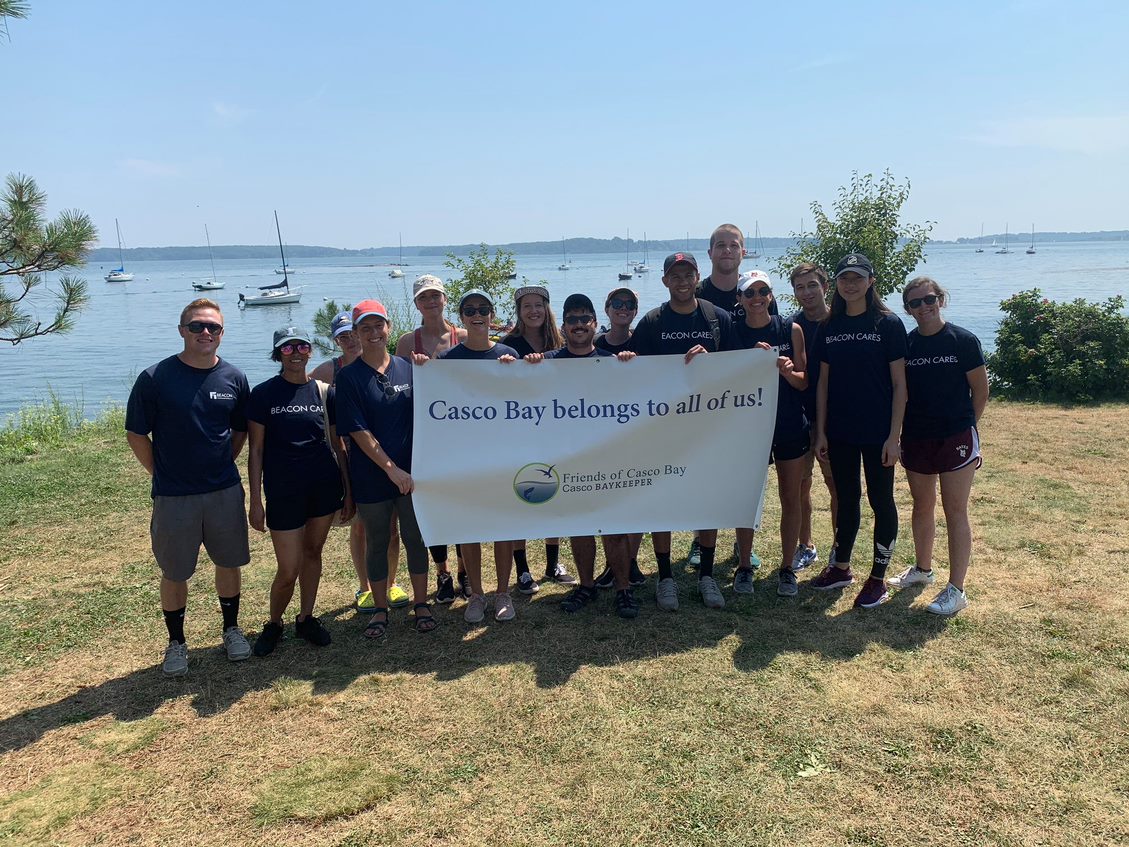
(616, 303)
(385, 386)
(196, 327)
(928, 300)
(579, 320)
(471, 311)
(301, 347)
(763, 292)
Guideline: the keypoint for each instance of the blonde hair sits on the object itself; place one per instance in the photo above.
(196, 305)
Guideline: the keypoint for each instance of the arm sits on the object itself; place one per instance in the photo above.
(820, 445)
(324, 372)
(368, 444)
(891, 450)
(794, 370)
(256, 514)
(978, 384)
(349, 508)
(406, 345)
(238, 439)
(142, 447)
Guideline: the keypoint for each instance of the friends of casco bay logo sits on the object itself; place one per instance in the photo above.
(537, 483)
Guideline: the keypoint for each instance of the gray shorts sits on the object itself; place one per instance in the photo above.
(218, 520)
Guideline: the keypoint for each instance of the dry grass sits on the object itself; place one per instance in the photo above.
(771, 722)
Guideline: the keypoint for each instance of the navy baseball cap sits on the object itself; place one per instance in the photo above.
(856, 262)
(290, 333)
(674, 258)
(341, 323)
(578, 303)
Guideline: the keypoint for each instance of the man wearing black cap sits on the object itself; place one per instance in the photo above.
(727, 249)
(685, 325)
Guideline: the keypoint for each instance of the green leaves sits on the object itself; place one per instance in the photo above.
(483, 271)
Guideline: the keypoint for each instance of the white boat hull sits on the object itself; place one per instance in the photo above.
(279, 299)
(395, 274)
(208, 286)
(117, 277)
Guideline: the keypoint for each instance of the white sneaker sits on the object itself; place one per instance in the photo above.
(666, 595)
(950, 601)
(475, 609)
(176, 659)
(911, 576)
(504, 607)
(743, 581)
(236, 643)
(711, 594)
(805, 557)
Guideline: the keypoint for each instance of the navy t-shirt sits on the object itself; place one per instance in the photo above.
(461, 351)
(565, 353)
(191, 413)
(726, 300)
(603, 343)
(294, 445)
(940, 402)
(790, 418)
(811, 330)
(381, 404)
(663, 331)
(860, 393)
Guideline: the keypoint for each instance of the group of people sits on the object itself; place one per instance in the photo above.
(333, 445)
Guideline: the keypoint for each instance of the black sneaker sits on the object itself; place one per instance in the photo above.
(445, 588)
(636, 577)
(577, 599)
(526, 584)
(559, 574)
(311, 630)
(625, 605)
(605, 579)
(464, 585)
(268, 639)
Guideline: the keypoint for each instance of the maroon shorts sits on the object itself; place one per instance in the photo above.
(942, 455)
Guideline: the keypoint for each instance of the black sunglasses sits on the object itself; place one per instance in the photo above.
(575, 320)
(928, 300)
(616, 303)
(386, 386)
(196, 327)
(763, 292)
(471, 311)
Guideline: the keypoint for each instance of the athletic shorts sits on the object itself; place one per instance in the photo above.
(290, 506)
(793, 448)
(218, 520)
(942, 455)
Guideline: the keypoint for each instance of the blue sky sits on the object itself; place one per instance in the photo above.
(453, 122)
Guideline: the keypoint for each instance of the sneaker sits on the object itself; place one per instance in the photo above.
(176, 659)
(912, 576)
(526, 584)
(365, 601)
(475, 609)
(743, 581)
(312, 630)
(444, 589)
(694, 557)
(560, 575)
(464, 585)
(504, 607)
(268, 639)
(636, 577)
(606, 579)
(805, 557)
(950, 601)
(397, 597)
(711, 594)
(832, 577)
(625, 604)
(666, 595)
(754, 560)
(787, 587)
(873, 594)
(236, 644)
(577, 599)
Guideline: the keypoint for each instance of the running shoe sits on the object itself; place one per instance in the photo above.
(786, 585)
(364, 600)
(743, 581)
(236, 644)
(694, 557)
(805, 557)
(312, 630)
(625, 604)
(711, 594)
(832, 577)
(636, 577)
(397, 597)
(754, 560)
(444, 588)
(268, 639)
(577, 599)
(606, 579)
(475, 609)
(950, 601)
(526, 584)
(176, 659)
(560, 575)
(504, 607)
(666, 595)
(464, 586)
(912, 576)
(873, 594)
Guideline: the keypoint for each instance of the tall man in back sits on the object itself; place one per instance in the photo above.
(727, 249)
(186, 421)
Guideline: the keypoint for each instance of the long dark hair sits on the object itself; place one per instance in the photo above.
(874, 305)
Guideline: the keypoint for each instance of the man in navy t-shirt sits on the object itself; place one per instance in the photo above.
(727, 249)
(186, 422)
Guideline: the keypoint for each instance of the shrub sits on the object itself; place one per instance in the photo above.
(1076, 352)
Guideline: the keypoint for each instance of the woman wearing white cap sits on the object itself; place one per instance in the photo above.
(291, 426)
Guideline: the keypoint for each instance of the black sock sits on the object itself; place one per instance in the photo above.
(520, 562)
(438, 554)
(663, 560)
(552, 556)
(174, 622)
(230, 608)
(706, 567)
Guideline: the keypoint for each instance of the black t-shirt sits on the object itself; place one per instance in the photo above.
(663, 332)
(381, 404)
(811, 329)
(519, 344)
(191, 413)
(726, 300)
(790, 418)
(294, 445)
(565, 353)
(860, 393)
(461, 351)
(940, 402)
(603, 343)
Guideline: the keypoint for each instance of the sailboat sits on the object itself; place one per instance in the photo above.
(119, 274)
(396, 273)
(626, 273)
(203, 284)
(1004, 250)
(980, 243)
(563, 266)
(1031, 250)
(641, 267)
(757, 250)
(274, 294)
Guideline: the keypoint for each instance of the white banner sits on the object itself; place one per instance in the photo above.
(591, 446)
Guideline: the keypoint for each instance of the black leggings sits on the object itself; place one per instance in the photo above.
(879, 491)
(377, 518)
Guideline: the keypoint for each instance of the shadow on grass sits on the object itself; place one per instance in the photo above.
(553, 644)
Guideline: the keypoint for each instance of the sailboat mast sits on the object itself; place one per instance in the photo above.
(210, 256)
(121, 256)
(277, 229)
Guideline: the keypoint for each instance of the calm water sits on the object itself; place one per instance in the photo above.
(129, 326)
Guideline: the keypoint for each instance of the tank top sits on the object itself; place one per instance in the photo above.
(453, 336)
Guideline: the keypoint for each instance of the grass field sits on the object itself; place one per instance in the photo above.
(775, 721)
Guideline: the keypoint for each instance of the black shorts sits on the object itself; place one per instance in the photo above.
(290, 506)
(942, 455)
(792, 448)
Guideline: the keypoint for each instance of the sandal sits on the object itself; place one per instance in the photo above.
(376, 629)
(426, 624)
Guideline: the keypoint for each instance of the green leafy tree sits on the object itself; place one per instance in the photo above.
(31, 246)
(323, 321)
(865, 219)
(481, 270)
